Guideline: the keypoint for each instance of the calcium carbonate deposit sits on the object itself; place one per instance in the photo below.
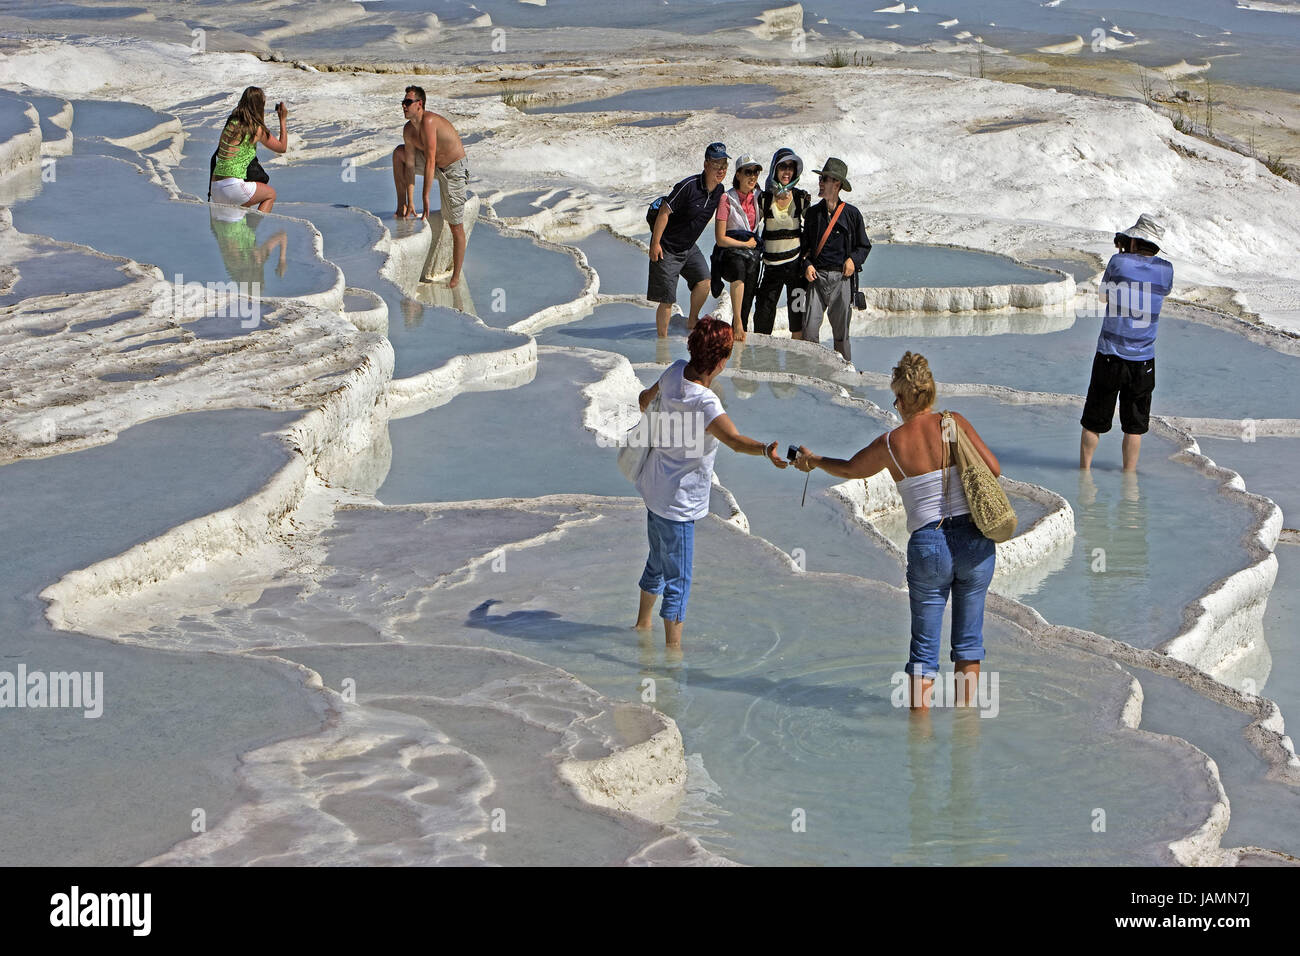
(344, 553)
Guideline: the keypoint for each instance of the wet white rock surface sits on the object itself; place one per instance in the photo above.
(450, 655)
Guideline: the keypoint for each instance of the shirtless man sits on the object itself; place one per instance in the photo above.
(431, 148)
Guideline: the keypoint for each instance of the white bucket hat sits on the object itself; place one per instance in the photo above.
(1146, 228)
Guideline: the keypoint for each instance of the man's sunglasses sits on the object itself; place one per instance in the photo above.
(406, 103)
(827, 179)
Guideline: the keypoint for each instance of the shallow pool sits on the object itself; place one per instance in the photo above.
(897, 265)
(190, 242)
(742, 100)
(173, 725)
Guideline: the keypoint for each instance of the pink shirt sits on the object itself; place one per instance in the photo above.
(748, 205)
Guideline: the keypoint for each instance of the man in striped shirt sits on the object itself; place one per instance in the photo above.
(782, 207)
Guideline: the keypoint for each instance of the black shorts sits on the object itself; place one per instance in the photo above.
(1132, 382)
(690, 265)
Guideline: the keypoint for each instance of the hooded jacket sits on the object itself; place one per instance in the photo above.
(781, 246)
(780, 156)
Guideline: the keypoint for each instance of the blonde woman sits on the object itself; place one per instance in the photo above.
(237, 148)
(946, 553)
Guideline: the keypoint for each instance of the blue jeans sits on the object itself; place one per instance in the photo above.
(956, 558)
(668, 569)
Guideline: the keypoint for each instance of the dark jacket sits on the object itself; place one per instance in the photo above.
(847, 241)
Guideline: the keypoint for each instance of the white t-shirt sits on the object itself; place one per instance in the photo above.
(678, 473)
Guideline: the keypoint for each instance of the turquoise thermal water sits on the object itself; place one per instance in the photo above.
(1197, 366)
(113, 119)
(783, 697)
(791, 708)
(744, 100)
(182, 239)
(173, 724)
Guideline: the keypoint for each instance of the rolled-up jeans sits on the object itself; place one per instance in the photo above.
(668, 568)
(830, 292)
(954, 558)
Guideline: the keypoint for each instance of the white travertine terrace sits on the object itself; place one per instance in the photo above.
(346, 415)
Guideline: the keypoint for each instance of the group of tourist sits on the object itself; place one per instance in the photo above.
(766, 241)
(775, 239)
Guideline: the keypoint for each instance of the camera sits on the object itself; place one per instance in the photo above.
(792, 453)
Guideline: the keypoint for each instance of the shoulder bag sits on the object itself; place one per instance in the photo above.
(637, 442)
(989, 507)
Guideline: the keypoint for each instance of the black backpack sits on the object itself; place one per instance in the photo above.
(801, 203)
(652, 213)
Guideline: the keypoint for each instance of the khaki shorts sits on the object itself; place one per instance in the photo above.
(453, 184)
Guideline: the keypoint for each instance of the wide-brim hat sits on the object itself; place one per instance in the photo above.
(1148, 229)
(838, 169)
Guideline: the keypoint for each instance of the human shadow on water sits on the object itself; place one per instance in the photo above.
(630, 330)
(847, 700)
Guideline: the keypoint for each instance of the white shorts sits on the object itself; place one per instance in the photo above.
(232, 192)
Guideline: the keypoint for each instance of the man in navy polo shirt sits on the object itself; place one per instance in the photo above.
(1133, 287)
(683, 215)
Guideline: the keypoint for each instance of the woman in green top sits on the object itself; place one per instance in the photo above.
(244, 129)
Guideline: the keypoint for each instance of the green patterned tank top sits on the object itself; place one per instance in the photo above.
(236, 166)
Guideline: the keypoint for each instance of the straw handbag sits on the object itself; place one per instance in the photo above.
(989, 507)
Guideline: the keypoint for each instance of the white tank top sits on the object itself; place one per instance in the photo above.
(923, 494)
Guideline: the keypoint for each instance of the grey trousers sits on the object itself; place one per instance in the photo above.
(830, 292)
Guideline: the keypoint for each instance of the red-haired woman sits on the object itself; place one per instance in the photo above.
(677, 476)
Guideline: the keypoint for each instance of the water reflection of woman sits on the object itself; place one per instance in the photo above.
(235, 229)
